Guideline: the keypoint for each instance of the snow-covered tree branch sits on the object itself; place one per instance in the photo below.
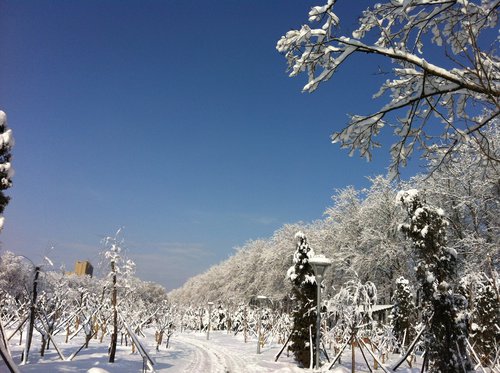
(457, 83)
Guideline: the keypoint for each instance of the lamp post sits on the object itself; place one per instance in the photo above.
(319, 263)
(210, 304)
(260, 300)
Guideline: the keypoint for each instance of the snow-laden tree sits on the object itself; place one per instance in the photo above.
(163, 322)
(259, 265)
(52, 305)
(119, 267)
(88, 307)
(481, 292)
(6, 169)
(346, 226)
(351, 308)
(359, 233)
(470, 189)
(350, 315)
(403, 315)
(301, 274)
(384, 253)
(446, 68)
(443, 313)
(14, 275)
(364, 236)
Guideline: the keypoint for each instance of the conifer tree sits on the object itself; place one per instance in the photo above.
(301, 275)
(487, 318)
(443, 310)
(403, 313)
(484, 313)
(6, 170)
(6, 173)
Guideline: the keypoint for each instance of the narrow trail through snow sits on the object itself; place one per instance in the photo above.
(211, 358)
(191, 352)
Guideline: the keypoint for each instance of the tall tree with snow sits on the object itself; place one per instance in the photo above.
(6, 170)
(118, 266)
(456, 84)
(469, 188)
(484, 311)
(486, 320)
(444, 313)
(301, 274)
(403, 314)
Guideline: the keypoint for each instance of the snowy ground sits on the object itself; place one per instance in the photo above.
(187, 353)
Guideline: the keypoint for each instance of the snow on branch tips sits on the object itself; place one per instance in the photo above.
(445, 70)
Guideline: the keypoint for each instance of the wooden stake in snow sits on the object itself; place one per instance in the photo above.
(31, 325)
(282, 348)
(5, 353)
(353, 354)
(311, 347)
(361, 343)
(245, 324)
(337, 357)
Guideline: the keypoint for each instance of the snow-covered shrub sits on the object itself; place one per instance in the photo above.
(15, 275)
(351, 309)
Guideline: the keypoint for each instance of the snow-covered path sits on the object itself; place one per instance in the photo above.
(223, 353)
(209, 357)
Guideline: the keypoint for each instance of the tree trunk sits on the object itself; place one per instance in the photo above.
(159, 340)
(42, 349)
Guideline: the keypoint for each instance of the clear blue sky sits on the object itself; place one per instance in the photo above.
(174, 119)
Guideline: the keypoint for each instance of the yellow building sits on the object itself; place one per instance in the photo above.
(84, 268)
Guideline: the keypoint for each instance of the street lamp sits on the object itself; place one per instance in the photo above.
(319, 263)
(210, 304)
(260, 300)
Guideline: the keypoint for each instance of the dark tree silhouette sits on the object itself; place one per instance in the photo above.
(301, 275)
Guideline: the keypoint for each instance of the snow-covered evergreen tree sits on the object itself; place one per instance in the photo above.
(484, 313)
(301, 275)
(404, 313)
(444, 311)
(486, 320)
(6, 170)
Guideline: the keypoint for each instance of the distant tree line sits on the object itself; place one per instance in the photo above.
(360, 234)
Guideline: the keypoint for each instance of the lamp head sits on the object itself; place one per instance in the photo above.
(320, 263)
